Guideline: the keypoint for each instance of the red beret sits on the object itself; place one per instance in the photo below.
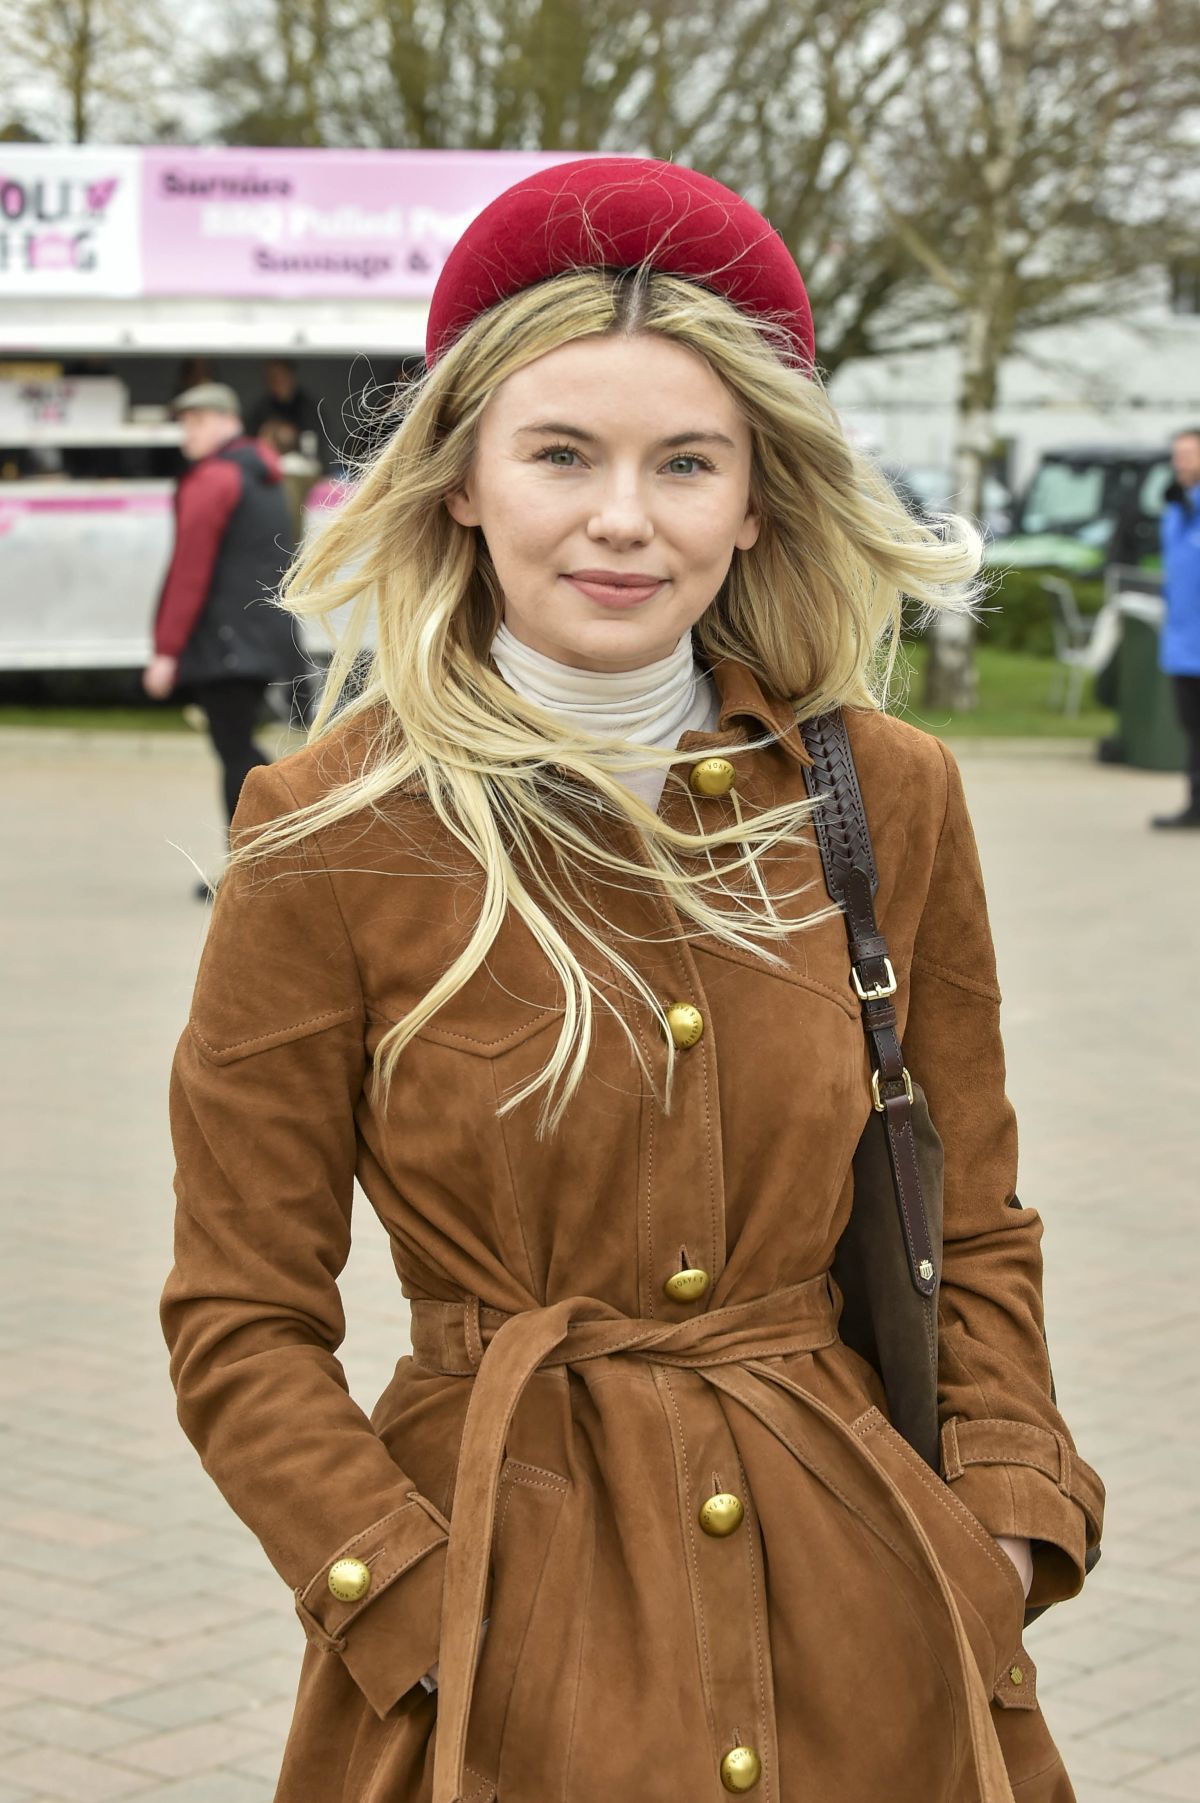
(615, 213)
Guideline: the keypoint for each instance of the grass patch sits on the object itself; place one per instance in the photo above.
(1014, 691)
(1014, 699)
(95, 719)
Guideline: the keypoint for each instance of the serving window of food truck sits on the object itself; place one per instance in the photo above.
(299, 277)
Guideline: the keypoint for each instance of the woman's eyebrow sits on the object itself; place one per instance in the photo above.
(562, 429)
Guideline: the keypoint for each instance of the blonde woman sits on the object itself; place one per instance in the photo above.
(531, 939)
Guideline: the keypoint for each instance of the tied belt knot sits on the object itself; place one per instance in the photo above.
(730, 1346)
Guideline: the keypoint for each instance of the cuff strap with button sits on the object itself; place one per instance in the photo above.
(997, 1442)
(362, 1569)
(1020, 1479)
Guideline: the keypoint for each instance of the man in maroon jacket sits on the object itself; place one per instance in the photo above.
(216, 633)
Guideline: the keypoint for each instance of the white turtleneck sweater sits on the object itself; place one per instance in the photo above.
(653, 705)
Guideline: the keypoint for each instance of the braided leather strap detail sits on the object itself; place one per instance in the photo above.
(844, 839)
(842, 831)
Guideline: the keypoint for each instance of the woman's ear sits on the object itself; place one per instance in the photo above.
(747, 532)
(461, 507)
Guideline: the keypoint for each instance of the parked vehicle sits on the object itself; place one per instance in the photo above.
(1089, 506)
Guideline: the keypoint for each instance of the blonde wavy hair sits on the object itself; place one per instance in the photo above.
(814, 609)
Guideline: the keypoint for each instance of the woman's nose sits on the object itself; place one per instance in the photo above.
(620, 515)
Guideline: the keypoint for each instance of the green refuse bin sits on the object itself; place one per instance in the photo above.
(1149, 730)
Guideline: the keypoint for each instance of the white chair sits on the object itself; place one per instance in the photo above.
(1082, 646)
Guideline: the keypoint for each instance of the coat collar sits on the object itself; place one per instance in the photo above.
(742, 696)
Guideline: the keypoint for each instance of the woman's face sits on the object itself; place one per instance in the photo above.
(611, 482)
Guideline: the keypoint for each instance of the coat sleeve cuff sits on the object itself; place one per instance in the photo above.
(389, 1636)
(1028, 1481)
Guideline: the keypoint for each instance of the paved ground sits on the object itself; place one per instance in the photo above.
(151, 1652)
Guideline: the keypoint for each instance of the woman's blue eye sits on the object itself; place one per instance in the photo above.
(565, 456)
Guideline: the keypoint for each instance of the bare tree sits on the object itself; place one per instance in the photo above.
(740, 90)
(89, 69)
(291, 72)
(771, 124)
(1031, 170)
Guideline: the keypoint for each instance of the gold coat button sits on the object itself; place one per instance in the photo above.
(687, 1286)
(1016, 1674)
(721, 1514)
(712, 776)
(741, 1769)
(686, 1024)
(349, 1580)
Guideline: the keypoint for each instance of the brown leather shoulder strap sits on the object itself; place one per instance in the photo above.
(844, 838)
(842, 831)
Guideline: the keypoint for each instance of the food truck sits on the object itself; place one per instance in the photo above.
(125, 275)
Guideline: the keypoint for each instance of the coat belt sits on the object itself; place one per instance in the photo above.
(731, 1347)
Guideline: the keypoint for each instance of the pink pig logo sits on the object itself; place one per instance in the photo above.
(100, 193)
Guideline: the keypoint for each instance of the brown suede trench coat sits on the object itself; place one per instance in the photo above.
(545, 1456)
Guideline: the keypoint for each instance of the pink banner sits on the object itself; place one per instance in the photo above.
(127, 501)
(313, 222)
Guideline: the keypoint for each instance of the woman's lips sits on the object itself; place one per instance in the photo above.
(613, 594)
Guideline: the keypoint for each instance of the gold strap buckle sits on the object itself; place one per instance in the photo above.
(877, 994)
(878, 1099)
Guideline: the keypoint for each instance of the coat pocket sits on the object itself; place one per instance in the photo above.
(528, 1506)
(985, 1582)
(392, 1760)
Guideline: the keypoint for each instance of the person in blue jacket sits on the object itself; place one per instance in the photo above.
(1179, 645)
